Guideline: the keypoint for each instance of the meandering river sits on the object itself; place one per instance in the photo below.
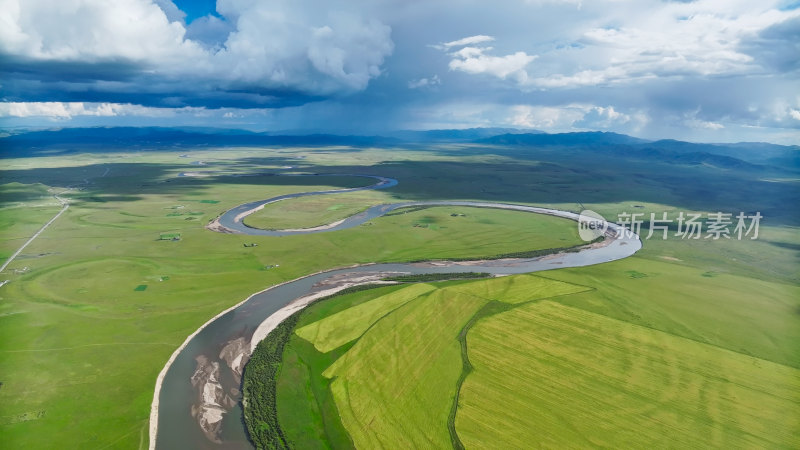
(197, 399)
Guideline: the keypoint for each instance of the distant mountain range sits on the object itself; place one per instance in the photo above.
(461, 135)
(740, 155)
(157, 137)
(193, 136)
(590, 138)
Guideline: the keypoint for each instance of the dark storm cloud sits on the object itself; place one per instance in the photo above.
(127, 83)
(18, 67)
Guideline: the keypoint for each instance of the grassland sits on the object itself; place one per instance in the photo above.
(79, 352)
(741, 314)
(25, 209)
(548, 375)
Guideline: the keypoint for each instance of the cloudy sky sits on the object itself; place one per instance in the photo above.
(704, 70)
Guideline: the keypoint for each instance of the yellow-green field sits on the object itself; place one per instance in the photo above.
(548, 375)
(394, 387)
(746, 315)
(519, 289)
(345, 326)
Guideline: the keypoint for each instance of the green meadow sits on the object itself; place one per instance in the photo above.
(81, 342)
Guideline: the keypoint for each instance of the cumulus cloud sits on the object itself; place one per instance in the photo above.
(554, 118)
(55, 110)
(575, 116)
(606, 118)
(475, 60)
(544, 117)
(92, 31)
(352, 51)
(678, 40)
(782, 112)
(280, 47)
(68, 110)
(673, 39)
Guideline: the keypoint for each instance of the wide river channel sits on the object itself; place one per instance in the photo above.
(184, 381)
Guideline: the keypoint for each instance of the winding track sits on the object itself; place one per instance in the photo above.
(174, 394)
